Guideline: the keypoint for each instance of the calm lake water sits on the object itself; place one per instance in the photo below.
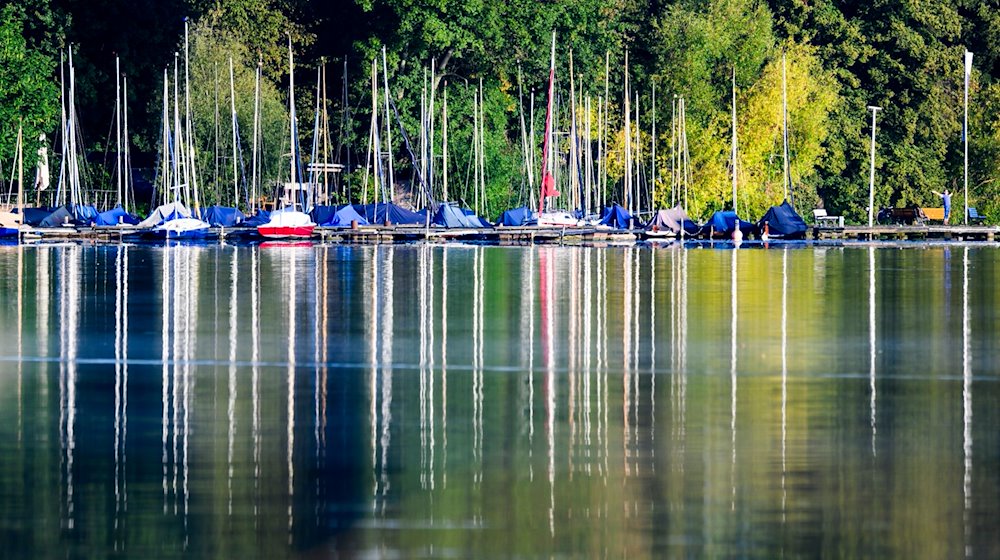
(474, 402)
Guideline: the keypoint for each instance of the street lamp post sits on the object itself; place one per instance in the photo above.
(871, 177)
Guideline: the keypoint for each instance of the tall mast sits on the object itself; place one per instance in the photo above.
(256, 138)
(126, 157)
(232, 106)
(787, 178)
(652, 167)
(548, 183)
(291, 121)
(965, 136)
(444, 143)
(388, 127)
(628, 144)
(189, 126)
(734, 140)
(118, 129)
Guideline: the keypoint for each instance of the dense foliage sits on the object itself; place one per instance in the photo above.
(841, 56)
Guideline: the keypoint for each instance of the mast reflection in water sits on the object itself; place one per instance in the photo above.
(279, 399)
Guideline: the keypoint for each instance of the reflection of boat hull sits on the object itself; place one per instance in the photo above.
(286, 232)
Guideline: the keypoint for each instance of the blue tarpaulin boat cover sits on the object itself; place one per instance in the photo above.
(393, 213)
(451, 216)
(85, 214)
(724, 223)
(260, 218)
(321, 215)
(59, 216)
(344, 217)
(222, 216)
(783, 221)
(517, 217)
(34, 216)
(115, 216)
(672, 219)
(615, 216)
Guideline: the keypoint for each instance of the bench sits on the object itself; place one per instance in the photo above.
(975, 217)
(902, 216)
(823, 219)
(934, 214)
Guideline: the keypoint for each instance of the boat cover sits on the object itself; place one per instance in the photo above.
(222, 216)
(343, 218)
(451, 216)
(34, 216)
(615, 216)
(115, 216)
(783, 221)
(164, 213)
(517, 217)
(672, 219)
(58, 217)
(260, 218)
(389, 212)
(724, 223)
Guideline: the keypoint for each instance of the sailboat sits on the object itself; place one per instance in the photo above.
(551, 218)
(782, 221)
(288, 222)
(727, 223)
(10, 223)
(180, 223)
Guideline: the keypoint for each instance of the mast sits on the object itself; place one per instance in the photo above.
(232, 106)
(118, 128)
(652, 167)
(965, 136)
(388, 128)
(787, 178)
(256, 138)
(127, 157)
(193, 176)
(733, 156)
(548, 183)
(628, 144)
(20, 172)
(444, 142)
(291, 121)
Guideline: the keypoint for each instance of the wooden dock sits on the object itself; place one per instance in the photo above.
(589, 236)
(908, 233)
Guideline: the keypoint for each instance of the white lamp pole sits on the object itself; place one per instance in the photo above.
(871, 176)
(965, 134)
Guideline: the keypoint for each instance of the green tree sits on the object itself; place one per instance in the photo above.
(29, 96)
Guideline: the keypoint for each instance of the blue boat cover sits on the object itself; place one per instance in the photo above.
(451, 216)
(483, 222)
(322, 215)
(516, 217)
(222, 216)
(615, 216)
(114, 217)
(724, 223)
(58, 217)
(783, 221)
(85, 214)
(344, 217)
(672, 219)
(389, 212)
(260, 218)
(34, 216)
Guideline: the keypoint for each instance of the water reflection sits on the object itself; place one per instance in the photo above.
(474, 401)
